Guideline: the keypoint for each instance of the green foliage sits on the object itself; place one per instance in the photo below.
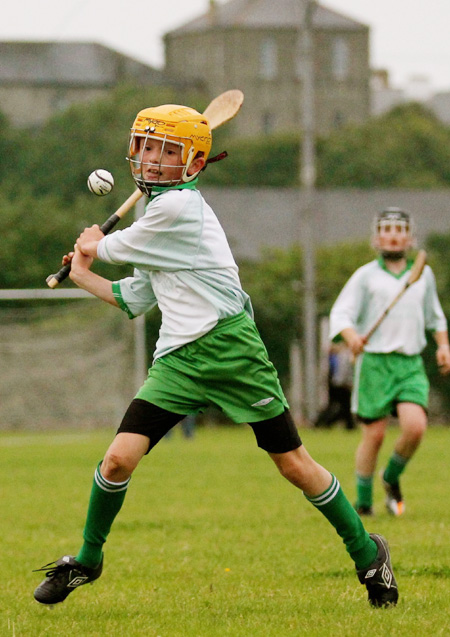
(37, 232)
(275, 284)
(70, 146)
(33, 232)
(438, 247)
(268, 161)
(9, 151)
(406, 148)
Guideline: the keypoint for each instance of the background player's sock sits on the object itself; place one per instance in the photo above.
(395, 468)
(364, 491)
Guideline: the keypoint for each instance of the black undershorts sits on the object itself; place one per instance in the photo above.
(275, 435)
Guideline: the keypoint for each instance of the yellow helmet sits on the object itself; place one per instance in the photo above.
(170, 123)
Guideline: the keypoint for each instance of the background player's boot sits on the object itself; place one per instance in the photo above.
(62, 578)
(363, 510)
(394, 499)
(379, 577)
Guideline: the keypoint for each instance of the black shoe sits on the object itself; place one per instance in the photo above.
(364, 510)
(62, 578)
(379, 577)
(394, 499)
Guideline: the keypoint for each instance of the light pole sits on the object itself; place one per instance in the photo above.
(306, 204)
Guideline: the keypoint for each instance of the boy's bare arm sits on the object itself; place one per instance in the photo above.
(354, 340)
(442, 352)
(82, 276)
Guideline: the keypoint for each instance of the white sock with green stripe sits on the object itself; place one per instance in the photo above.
(334, 505)
(105, 503)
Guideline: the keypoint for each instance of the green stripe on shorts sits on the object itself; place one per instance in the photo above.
(227, 368)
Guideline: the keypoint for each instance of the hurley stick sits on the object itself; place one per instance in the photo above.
(54, 279)
(414, 275)
(222, 108)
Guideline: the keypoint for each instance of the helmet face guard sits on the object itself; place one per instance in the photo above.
(167, 127)
(393, 222)
(393, 218)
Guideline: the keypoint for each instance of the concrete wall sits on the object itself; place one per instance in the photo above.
(258, 217)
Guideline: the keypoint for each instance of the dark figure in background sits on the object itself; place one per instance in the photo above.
(340, 383)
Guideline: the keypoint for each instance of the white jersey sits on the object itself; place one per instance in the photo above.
(182, 262)
(367, 294)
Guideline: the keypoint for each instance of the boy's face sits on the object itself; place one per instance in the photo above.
(161, 161)
(393, 236)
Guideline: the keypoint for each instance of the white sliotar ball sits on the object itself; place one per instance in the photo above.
(100, 182)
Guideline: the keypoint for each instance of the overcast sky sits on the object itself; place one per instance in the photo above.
(407, 38)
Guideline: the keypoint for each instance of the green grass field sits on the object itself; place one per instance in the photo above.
(212, 542)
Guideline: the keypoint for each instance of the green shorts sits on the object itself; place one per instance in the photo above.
(227, 368)
(384, 380)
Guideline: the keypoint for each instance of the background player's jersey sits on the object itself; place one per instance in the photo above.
(369, 292)
(183, 263)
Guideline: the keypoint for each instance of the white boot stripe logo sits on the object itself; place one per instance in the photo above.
(77, 581)
(387, 576)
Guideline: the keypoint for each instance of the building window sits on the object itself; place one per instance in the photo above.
(340, 58)
(268, 59)
(268, 123)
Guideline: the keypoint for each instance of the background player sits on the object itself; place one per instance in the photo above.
(389, 372)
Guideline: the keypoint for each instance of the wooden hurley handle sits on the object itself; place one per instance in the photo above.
(414, 275)
(55, 279)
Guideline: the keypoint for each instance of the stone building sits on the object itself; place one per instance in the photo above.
(253, 45)
(38, 79)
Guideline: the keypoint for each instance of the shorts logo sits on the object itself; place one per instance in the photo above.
(264, 401)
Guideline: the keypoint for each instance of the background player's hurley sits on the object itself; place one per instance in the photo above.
(415, 274)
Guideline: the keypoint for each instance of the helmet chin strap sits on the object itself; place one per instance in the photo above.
(390, 255)
(190, 156)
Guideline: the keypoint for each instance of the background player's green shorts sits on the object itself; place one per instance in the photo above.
(383, 380)
(227, 368)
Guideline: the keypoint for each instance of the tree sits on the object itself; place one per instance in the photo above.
(275, 285)
(438, 247)
(72, 144)
(36, 233)
(406, 148)
(9, 151)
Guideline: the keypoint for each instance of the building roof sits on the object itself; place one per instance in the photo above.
(278, 14)
(74, 63)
